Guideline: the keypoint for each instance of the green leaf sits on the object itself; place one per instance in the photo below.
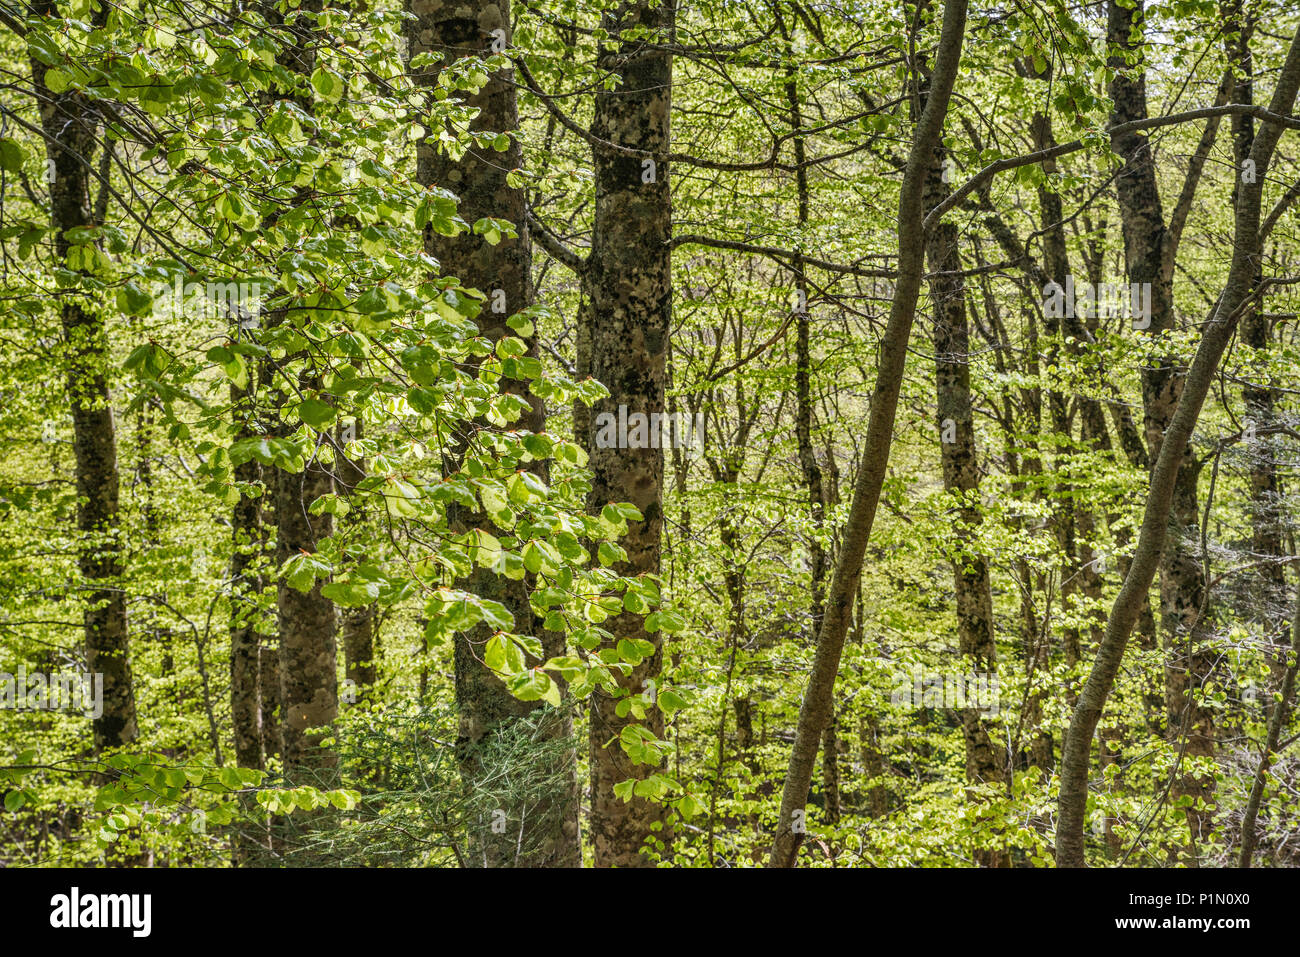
(329, 86)
(11, 156)
(624, 789)
(669, 701)
(533, 685)
(351, 594)
(57, 80)
(319, 415)
(301, 571)
(134, 301)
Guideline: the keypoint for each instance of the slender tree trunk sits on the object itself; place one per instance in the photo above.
(873, 762)
(357, 625)
(248, 543)
(248, 548)
(270, 692)
(818, 699)
(1238, 289)
(306, 621)
(734, 577)
(245, 701)
(812, 473)
(584, 321)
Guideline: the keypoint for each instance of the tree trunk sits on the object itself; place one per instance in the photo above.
(248, 543)
(1183, 598)
(818, 699)
(308, 655)
(1238, 289)
(630, 285)
(985, 764)
(69, 124)
(356, 624)
(307, 621)
(503, 273)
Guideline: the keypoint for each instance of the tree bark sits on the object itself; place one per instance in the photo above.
(307, 626)
(357, 625)
(630, 285)
(248, 541)
(306, 621)
(1183, 598)
(819, 694)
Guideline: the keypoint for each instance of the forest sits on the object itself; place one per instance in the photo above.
(649, 433)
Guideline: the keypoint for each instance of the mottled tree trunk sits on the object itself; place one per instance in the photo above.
(245, 701)
(357, 625)
(812, 473)
(959, 457)
(831, 804)
(249, 547)
(630, 284)
(744, 708)
(358, 632)
(583, 322)
(69, 124)
(307, 625)
(269, 691)
(503, 273)
(307, 621)
(248, 543)
(1183, 599)
(873, 763)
